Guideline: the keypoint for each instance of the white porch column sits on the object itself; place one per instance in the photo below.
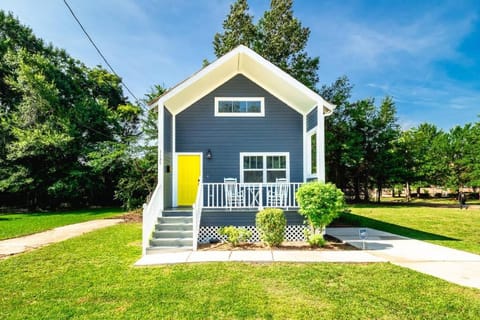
(161, 151)
(305, 149)
(320, 143)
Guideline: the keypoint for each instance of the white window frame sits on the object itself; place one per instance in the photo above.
(309, 135)
(240, 114)
(264, 155)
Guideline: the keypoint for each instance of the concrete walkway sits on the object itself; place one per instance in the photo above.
(21, 244)
(452, 265)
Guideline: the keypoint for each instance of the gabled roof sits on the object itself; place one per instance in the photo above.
(242, 60)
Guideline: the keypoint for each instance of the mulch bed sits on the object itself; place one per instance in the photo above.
(333, 244)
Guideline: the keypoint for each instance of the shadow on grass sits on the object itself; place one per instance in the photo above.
(418, 203)
(85, 212)
(360, 221)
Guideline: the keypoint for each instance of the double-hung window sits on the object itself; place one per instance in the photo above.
(239, 107)
(264, 167)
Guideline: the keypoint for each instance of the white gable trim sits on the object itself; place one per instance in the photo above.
(242, 60)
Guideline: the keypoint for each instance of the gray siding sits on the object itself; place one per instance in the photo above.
(241, 218)
(312, 119)
(168, 163)
(279, 131)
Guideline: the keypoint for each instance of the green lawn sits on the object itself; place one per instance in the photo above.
(19, 224)
(92, 277)
(450, 227)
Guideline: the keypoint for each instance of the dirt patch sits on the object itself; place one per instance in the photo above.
(134, 216)
(333, 244)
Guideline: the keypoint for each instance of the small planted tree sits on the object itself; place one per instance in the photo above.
(271, 225)
(320, 203)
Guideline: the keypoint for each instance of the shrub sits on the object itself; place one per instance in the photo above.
(270, 225)
(235, 235)
(314, 240)
(320, 203)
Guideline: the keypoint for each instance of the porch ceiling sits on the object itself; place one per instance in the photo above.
(242, 60)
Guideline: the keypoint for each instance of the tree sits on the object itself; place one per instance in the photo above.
(384, 135)
(320, 203)
(342, 150)
(428, 149)
(464, 156)
(279, 37)
(361, 142)
(140, 178)
(282, 40)
(64, 126)
(238, 29)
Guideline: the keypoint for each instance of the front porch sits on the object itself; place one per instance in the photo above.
(254, 196)
(217, 205)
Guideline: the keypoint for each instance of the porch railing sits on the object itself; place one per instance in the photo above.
(197, 215)
(250, 195)
(151, 211)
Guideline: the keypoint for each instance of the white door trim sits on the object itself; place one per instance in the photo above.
(175, 172)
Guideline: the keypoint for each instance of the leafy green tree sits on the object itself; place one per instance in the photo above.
(320, 203)
(140, 177)
(59, 118)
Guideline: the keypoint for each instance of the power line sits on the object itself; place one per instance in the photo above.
(99, 51)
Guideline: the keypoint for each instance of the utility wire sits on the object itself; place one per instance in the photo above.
(100, 52)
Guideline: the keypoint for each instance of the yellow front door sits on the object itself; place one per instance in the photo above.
(188, 175)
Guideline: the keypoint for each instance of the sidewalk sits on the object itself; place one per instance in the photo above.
(21, 244)
(257, 256)
(452, 265)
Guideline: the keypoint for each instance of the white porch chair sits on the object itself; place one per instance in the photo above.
(277, 195)
(234, 197)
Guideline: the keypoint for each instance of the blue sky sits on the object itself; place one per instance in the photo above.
(425, 54)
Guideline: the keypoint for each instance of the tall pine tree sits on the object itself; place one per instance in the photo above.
(238, 29)
(282, 40)
(279, 37)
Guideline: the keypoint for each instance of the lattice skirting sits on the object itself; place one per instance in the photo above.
(292, 233)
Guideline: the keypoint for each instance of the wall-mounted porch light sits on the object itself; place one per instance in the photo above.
(209, 154)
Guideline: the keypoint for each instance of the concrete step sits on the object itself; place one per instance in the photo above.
(171, 242)
(172, 220)
(152, 250)
(172, 234)
(174, 227)
(177, 213)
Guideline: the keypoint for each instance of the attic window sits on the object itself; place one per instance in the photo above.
(239, 107)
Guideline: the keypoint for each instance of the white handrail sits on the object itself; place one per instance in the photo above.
(151, 211)
(251, 195)
(197, 215)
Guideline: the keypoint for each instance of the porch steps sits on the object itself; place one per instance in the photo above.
(173, 232)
